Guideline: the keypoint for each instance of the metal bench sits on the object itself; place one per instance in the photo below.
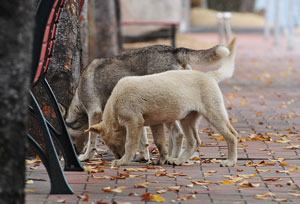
(173, 26)
(46, 21)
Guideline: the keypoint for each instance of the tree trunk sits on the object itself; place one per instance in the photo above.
(104, 28)
(65, 68)
(16, 20)
(84, 33)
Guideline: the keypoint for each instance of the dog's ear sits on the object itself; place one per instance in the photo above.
(63, 110)
(98, 128)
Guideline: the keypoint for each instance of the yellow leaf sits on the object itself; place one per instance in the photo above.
(293, 169)
(157, 198)
(232, 96)
(247, 184)
(233, 120)
(228, 182)
(258, 113)
(284, 164)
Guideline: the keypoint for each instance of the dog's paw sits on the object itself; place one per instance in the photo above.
(174, 161)
(227, 163)
(160, 161)
(119, 162)
(141, 158)
(86, 156)
(116, 163)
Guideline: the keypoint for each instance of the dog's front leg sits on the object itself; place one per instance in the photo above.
(91, 148)
(143, 147)
(230, 136)
(94, 118)
(133, 133)
(189, 127)
(175, 139)
(160, 141)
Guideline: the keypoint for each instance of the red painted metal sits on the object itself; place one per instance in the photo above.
(48, 41)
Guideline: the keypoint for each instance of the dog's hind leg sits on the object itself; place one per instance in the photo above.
(134, 128)
(94, 118)
(175, 138)
(189, 126)
(160, 141)
(143, 148)
(220, 121)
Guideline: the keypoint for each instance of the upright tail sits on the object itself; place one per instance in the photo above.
(227, 68)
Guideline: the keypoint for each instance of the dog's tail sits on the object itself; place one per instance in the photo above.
(227, 68)
(202, 57)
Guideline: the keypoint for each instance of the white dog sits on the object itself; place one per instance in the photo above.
(152, 100)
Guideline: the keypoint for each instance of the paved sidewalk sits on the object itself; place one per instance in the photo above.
(263, 102)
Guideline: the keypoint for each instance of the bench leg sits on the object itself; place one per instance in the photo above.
(173, 35)
(71, 161)
(49, 157)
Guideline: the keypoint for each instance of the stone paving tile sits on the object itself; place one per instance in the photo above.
(262, 99)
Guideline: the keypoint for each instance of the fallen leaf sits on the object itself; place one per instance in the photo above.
(186, 198)
(117, 202)
(280, 199)
(265, 196)
(293, 169)
(202, 182)
(273, 179)
(132, 194)
(142, 185)
(153, 197)
(37, 160)
(174, 188)
(295, 194)
(61, 201)
(30, 181)
(284, 164)
(161, 191)
(85, 197)
(100, 177)
(247, 184)
(262, 163)
(228, 182)
(190, 185)
(157, 198)
(289, 183)
(241, 147)
(135, 169)
(116, 190)
(292, 147)
(263, 170)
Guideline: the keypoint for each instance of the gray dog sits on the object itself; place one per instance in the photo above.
(101, 76)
